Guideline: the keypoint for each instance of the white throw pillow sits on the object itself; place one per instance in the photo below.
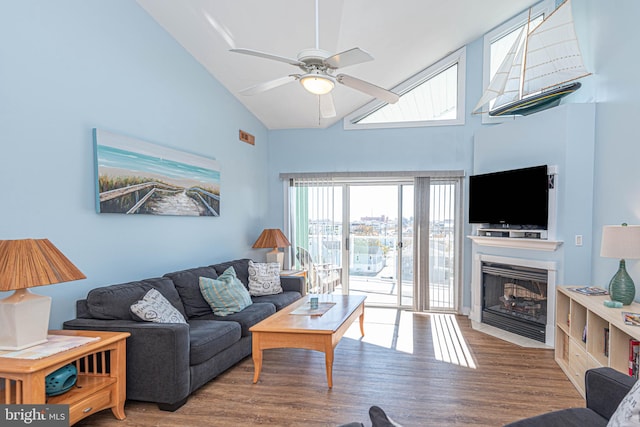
(264, 278)
(154, 307)
(628, 412)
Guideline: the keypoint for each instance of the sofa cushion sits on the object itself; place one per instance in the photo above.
(209, 337)
(114, 302)
(264, 278)
(247, 317)
(573, 417)
(187, 283)
(153, 307)
(241, 267)
(279, 300)
(226, 295)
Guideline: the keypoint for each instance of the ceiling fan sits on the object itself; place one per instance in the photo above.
(318, 77)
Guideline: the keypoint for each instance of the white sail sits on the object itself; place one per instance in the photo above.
(498, 83)
(511, 90)
(553, 54)
(551, 57)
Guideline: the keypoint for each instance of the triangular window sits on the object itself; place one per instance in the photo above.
(435, 96)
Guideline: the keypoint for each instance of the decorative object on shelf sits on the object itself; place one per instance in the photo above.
(138, 177)
(61, 380)
(621, 242)
(630, 318)
(612, 304)
(590, 290)
(273, 238)
(24, 264)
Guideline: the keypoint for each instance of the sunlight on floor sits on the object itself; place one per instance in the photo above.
(385, 327)
(448, 343)
(393, 329)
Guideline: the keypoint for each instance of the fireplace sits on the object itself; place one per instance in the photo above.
(514, 298)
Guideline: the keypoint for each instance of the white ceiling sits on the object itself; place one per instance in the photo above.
(404, 37)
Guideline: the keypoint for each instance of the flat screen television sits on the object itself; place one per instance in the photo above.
(517, 197)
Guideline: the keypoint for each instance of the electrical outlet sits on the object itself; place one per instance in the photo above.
(578, 239)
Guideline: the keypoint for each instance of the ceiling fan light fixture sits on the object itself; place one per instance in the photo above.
(317, 84)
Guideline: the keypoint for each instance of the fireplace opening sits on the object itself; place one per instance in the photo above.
(514, 298)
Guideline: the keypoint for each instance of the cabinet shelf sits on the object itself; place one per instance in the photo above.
(591, 335)
(85, 385)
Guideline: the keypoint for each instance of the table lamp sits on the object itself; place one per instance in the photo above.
(273, 238)
(622, 242)
(27, 263)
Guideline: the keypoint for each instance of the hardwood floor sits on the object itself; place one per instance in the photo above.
(422, 369)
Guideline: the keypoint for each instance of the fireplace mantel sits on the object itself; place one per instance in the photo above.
(517, 243)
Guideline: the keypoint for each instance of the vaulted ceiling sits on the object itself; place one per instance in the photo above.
(403, 36)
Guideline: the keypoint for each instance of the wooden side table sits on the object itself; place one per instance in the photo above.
(287, 273)
(101, 382)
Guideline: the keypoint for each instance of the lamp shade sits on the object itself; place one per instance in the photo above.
(29, 263)
(620, 241)
(271, 238)
(24, 264)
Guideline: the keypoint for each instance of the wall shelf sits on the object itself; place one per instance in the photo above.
(517, 243)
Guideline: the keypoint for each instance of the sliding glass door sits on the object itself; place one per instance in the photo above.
(376, 250)
(360, 237)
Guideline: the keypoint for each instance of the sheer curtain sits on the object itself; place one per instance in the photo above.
(316, 230)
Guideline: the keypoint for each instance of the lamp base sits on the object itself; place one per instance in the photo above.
(25, 320)
(276, 256)
(621, 287)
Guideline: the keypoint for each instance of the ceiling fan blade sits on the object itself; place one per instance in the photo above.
(327, 108)
(271, 84)
(368, 88)
(348, 57)
(268, 56)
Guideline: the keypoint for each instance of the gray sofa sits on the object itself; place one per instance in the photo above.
(605, 389)
(167, 362)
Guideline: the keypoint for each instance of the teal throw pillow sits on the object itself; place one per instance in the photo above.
(226, 294)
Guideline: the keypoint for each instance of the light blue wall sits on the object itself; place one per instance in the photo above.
(67, 66)
(562, 138)
(615, 38)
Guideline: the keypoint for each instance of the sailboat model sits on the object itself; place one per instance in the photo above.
(541, 67)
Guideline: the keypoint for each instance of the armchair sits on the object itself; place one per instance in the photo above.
(322, 278)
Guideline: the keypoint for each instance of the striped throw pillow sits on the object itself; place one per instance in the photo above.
(226, 294)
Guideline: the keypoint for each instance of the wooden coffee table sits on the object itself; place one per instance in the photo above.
(320, 333)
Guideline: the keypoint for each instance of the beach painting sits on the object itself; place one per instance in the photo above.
(138, 177)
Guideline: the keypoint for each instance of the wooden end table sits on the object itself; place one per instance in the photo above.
(320, 333)
(101, 382)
